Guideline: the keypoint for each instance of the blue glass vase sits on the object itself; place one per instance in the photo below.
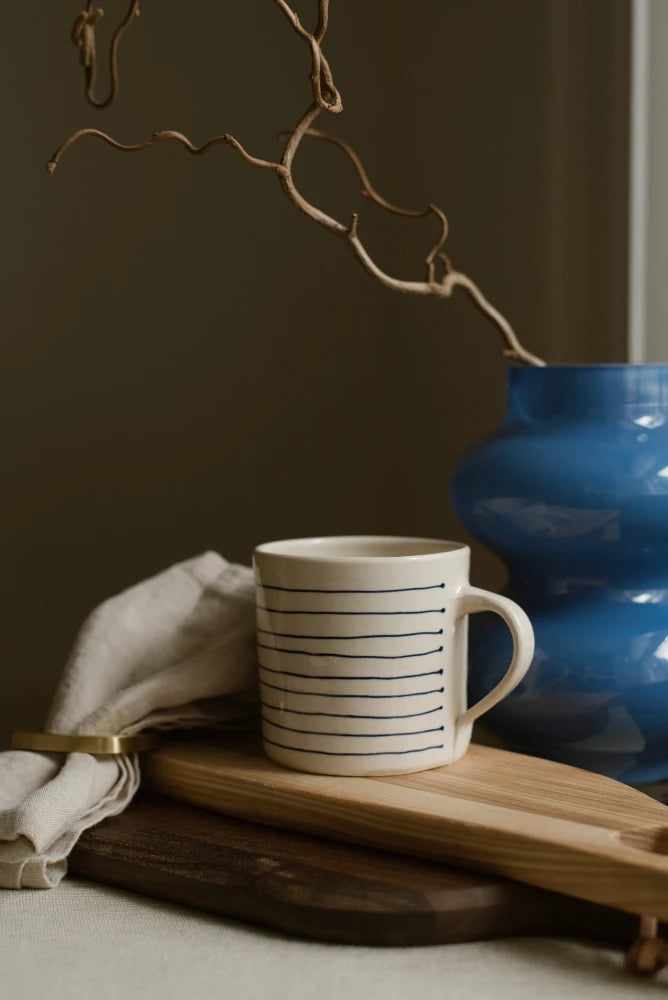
(572, 493)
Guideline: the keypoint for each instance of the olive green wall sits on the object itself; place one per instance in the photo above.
(188, 363)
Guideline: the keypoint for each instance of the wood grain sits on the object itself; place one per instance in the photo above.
(535, 821)
(318, 888)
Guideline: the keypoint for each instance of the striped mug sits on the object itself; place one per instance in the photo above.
(362, 652)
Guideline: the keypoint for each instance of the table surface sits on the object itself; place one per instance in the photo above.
(85, 940)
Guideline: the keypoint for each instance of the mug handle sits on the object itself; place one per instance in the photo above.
(471, 600)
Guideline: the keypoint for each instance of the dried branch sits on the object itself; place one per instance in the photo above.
(368, 189)
(323, 20)
(325, 94)
(451, 279)
(325, 97)
(514, 349)
(218, 140)
(83, 36)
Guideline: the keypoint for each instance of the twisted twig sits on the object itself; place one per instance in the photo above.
(451, 278)
(325, 94)
(218, 140)
(325, 97)
(83, 36)
(368, 191)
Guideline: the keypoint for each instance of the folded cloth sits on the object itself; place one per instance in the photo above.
(176, 651)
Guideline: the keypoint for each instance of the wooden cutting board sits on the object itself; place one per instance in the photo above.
(322, 889)
(533, 820)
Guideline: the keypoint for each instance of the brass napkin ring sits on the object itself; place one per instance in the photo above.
(74, 743)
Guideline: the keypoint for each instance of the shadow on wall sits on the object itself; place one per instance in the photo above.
(189, 363)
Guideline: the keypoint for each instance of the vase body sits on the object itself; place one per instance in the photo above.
(572, 493)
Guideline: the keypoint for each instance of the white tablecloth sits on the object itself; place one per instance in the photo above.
(90, 942)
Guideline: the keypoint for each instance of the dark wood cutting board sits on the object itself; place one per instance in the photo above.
(322, 889)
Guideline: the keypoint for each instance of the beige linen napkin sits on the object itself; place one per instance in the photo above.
(176, 651)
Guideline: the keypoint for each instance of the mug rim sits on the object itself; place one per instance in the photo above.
(312, 549)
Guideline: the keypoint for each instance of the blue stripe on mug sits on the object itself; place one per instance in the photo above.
(338, 753)
(279, 611)
(394, 590)
(347, 715)
(356, 736)
(347, 677)
(382, 635)
(326, 694)
(348, 656)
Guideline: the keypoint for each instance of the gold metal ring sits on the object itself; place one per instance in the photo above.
(74, 743)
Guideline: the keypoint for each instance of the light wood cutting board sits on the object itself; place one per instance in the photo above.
(536, 821)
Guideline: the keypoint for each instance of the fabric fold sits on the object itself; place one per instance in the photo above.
(176, 651)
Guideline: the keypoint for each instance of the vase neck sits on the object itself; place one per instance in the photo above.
(606, 392)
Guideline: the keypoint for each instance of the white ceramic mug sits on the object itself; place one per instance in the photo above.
(362, 652)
